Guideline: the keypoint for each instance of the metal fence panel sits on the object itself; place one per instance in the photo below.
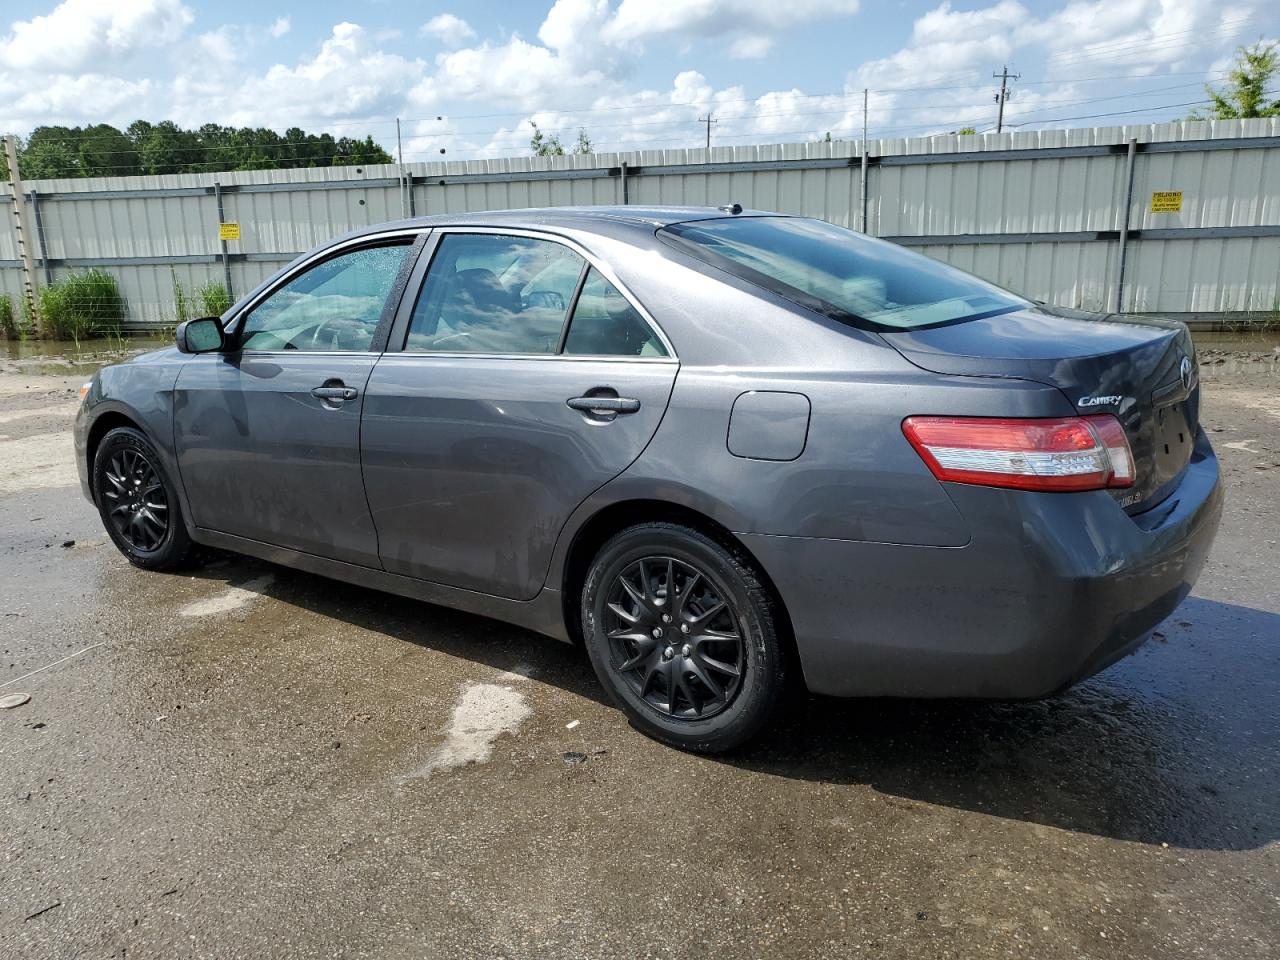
(1037, 211)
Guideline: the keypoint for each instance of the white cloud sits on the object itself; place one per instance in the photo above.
(450, 30)
(349, 77)
(80, 34)
(1139, 35)
(640, 19)
(751, 47)
(90, 96)
(280, 27)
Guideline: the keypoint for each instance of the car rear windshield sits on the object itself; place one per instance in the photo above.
(845, 275)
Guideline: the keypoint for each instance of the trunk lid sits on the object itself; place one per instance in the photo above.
(1132, 367)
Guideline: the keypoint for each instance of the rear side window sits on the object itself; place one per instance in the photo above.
(844, 275)
(486, 293)
(606, 324)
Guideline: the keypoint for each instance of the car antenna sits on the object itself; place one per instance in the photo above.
(734, 208)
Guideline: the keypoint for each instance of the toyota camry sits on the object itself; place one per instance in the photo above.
(724, 451)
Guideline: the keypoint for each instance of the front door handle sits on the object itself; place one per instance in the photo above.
(333, 392)
(604, 406)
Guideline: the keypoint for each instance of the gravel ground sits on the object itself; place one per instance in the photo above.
(253, 762)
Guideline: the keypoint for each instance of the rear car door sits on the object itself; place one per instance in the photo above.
(268, 431)
(520, 380)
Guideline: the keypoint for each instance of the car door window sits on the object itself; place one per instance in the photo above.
(334, 306)
(490, 293)
(605, 324)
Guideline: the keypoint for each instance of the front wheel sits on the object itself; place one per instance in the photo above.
(138, 502)
(684, 636)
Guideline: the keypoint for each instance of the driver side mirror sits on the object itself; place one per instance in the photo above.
(203, 335)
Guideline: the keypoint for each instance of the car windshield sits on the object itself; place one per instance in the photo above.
(844, 275)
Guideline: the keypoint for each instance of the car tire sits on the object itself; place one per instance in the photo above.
(138, 502)
(702, 668)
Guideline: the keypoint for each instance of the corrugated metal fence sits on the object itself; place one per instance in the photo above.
(1041, 212)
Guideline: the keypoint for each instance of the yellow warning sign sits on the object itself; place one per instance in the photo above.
(1166, 201)
(231, 231)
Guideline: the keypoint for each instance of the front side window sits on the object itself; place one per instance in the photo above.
(842, 274)
(605, 324)
(487, 293)
(334, 306)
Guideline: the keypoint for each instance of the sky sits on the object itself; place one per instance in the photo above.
(467, 77)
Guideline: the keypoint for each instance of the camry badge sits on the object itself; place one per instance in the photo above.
(1097, 401)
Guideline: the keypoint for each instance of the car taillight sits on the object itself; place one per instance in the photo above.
(1061, 453)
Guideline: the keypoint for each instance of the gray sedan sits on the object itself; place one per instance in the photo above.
(725, 451)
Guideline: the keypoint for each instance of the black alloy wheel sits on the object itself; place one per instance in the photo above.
(137, 501)
(673, 638)
(683, 633)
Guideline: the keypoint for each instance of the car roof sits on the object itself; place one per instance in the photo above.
(610, 220)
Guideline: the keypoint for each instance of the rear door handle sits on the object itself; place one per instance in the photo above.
(604, 406)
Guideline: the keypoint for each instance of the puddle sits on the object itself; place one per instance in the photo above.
(64, 358)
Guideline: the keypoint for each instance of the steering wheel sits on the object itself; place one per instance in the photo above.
(342, 330)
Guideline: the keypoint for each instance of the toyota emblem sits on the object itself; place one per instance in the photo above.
(1185, 372)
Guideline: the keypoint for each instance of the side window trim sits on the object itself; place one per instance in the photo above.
(573, 306)
(415, 239)
(399, 332)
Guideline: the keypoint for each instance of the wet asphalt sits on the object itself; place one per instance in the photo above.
(246, 761)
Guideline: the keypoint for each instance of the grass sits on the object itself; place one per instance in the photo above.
(82, 306)
(214, 299)
(181, 303)
(8, 323)
(210, 300)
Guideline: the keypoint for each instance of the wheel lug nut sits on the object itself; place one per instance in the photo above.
(687, 651)
(668, 653)
(666, 618)
(684, 628)
(657, 633)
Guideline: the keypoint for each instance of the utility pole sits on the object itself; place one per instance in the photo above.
(708, 120)
(862, 221)
(404, 201)
(1004, 94)
(22, 230)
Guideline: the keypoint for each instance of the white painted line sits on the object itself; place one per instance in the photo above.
(54, 664)
(571, 724)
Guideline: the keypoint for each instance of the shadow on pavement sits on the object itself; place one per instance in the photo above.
(1176, 744)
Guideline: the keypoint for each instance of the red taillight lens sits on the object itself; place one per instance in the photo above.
(1067, 453)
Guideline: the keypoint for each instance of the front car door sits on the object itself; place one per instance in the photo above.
(522, 379)
(268, 431)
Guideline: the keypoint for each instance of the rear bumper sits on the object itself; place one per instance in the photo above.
(1051, 589)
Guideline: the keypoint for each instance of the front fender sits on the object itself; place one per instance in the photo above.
(140, 393)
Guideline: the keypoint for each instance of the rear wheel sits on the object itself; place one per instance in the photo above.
(683, 634)
(138, 502)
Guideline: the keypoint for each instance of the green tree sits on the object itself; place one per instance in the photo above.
(359, 152)
(1244, 94)
(584, 142)
(544, 144)
(50, 152)
(966, 131)
(153, 148)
